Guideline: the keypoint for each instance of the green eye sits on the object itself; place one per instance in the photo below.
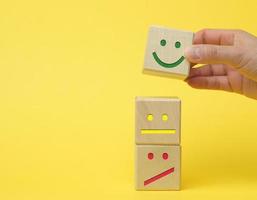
(177, 44)
(163, 42)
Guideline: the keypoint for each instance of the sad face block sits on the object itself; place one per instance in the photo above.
(164, 53)
(157, 120)
(157, 167)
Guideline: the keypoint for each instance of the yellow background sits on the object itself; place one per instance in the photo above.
(69, 72)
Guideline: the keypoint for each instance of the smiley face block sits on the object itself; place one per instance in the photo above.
(157, 120)
(157, 167)
(165, 52)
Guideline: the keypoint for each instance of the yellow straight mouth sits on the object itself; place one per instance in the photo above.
(158, 131)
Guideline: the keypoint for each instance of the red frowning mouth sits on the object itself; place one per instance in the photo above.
(155, 178)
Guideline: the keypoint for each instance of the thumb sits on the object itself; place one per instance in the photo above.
(211, 54)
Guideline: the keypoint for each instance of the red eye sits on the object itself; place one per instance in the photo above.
(165, 156)
(150, 156)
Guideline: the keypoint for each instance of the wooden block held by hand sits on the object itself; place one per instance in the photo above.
(157, 120)
(164, 54)
(157, 167)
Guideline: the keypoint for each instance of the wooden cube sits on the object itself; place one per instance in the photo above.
(157, 167)
(157, 120)
(164, 54)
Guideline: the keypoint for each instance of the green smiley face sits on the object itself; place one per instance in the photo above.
(164, 64)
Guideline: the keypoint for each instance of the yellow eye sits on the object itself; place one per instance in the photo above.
(165, 117)
(149, 117)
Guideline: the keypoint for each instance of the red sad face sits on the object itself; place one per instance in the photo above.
(165, 157)
(157, 167)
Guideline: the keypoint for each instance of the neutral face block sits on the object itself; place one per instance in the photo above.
(157, 167)
(164, 54)
(157, 120)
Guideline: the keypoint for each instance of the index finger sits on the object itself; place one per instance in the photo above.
(214, 36)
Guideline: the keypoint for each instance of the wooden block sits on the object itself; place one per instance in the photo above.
(164, 53)
(157, 167)
(157, 120)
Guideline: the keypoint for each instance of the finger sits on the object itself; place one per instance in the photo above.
(214, 36)
(192, 65)
(210, 82)
(208, 70)
(211, 54)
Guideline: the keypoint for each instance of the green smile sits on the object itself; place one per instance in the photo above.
(167, 65)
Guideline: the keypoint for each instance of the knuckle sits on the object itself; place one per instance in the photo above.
(239, 31)
(216, 83)
(211, 52)
(239, 57)
(204, 30)
(201, 35)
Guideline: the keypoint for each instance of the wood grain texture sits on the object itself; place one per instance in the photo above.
(168, 51)
(159, 172)
(157, 107)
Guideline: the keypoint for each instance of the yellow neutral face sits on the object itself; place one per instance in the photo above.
(157, 119)
(164, 119)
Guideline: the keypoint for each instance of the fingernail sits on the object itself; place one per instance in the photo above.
(193, 53)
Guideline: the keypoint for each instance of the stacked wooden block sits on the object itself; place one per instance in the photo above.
(158, 148)
(157, 138)
(164, 53)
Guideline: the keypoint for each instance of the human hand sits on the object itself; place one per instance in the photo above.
(230, 58)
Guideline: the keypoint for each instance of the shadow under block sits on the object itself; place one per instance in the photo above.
(157, 120)
(158, 167)
(164, 54)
